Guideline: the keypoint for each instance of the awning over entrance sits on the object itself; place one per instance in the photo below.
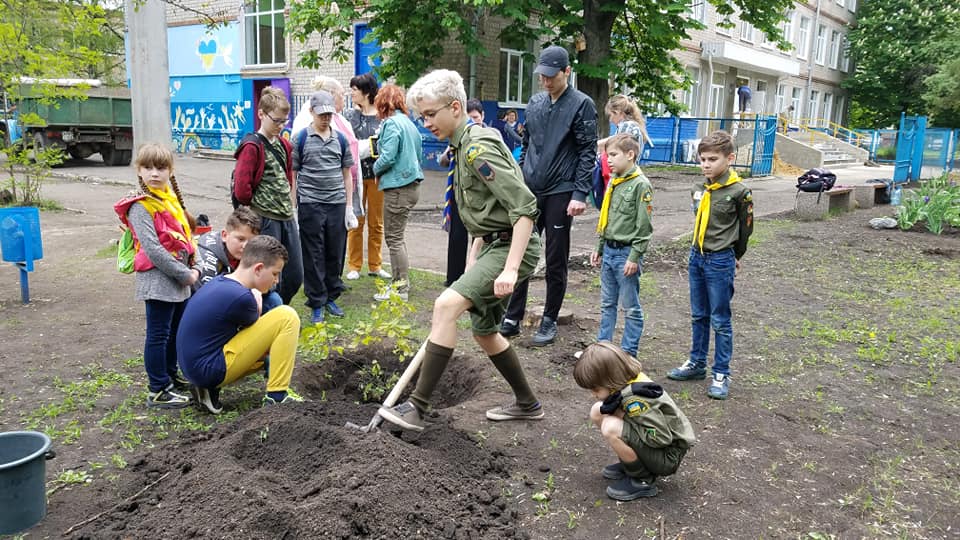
(732, 54)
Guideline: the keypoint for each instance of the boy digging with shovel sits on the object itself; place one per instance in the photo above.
(498, 211)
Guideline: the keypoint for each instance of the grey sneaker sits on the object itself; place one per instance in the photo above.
(546, 334)
(688, 372)
(515, 412)
(167, 398)
(404, 415)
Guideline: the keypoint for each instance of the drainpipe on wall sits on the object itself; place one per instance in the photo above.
(709, 91)
(810, 60)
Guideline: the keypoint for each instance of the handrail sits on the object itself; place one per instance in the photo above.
(827, 128)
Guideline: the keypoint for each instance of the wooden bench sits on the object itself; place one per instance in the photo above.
(868, 195)
(816, 206)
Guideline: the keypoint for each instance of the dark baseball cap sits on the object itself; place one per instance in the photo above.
(552, 60)
(322, 102)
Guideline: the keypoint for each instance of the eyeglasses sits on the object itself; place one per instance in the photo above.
(275, 121)
(430, 115)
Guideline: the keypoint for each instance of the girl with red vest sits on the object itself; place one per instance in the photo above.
(163, 236)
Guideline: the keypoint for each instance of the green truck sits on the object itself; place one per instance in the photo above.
(102, 123)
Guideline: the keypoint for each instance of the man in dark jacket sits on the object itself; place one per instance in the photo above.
(558, 156)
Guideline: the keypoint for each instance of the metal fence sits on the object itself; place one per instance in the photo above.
(675, 140)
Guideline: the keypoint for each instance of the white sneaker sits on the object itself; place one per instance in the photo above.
(353, 274)
(391, 290)
(380, 274)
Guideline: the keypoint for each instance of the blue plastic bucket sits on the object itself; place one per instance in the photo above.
(23, 471)
(20, 234)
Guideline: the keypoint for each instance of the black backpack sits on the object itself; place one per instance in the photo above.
(816, 181)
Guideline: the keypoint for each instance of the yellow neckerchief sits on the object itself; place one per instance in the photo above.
(641, 377)
(166, 200)
(703, 210)
(608, 194)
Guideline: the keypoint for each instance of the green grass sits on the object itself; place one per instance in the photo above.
(106, 252)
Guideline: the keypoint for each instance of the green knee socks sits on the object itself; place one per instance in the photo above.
(508, 364)
(435, 361)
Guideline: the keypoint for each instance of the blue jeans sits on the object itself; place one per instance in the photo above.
(270, 300)
(616, 287)
(160, 347)
(711, 289)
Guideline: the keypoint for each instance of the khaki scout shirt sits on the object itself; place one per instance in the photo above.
(731, 216)
(631, 206)
(489, 188)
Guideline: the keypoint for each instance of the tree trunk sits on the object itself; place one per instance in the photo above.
(598, 16)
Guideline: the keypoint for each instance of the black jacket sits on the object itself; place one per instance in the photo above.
(560, 144)
(212, 259)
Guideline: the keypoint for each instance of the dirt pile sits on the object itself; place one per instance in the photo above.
(296, 472)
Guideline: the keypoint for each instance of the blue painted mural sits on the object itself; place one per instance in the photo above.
(207, 105)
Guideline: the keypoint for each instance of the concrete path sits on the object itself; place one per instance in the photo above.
(205, 183)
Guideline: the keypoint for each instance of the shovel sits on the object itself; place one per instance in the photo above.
(395, 393)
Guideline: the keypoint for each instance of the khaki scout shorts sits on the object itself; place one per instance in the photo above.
(657, 461)
(476, 284)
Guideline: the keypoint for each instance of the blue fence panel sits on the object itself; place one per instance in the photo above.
(764, 140)
(909, 146)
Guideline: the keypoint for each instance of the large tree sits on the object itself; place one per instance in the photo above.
(895, 46)
(629, 40)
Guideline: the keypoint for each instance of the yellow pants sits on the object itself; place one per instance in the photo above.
(373, 203)
(275, 333)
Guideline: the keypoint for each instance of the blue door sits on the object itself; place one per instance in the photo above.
(909, 148)
(365, 58)
(764, 139)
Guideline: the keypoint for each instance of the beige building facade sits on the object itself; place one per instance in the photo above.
(807, 77)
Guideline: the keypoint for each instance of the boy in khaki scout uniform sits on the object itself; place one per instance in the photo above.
(724, 222)
(625, 231)
(498, 211)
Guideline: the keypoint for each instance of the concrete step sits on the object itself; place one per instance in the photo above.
(841, 164)
(209, 153)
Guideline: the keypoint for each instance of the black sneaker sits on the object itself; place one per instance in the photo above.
(614, 471)
(515, 412)
(509, 328)
(628, 489)
(167, 399)
(207, 399)
(180, 383)
(546, 334)
(404, 415)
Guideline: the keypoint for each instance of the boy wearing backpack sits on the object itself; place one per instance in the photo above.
(325, 212)
(263, 180)
(723, 224)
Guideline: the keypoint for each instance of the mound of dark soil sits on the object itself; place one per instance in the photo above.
(295, 471)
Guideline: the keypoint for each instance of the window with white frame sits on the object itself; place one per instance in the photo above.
(697, 10)
(516, 77)
(838, 110)
(845, 55)
(813, 104)
(803, 38)
(852, 6)
(826, 112)
(820, 53)
(724, 31)
(787, 27)
(691, 96)
(834, 49)
(717, 92)
(759, 101)
(747, 32)
(263, 25)
(781, 97)
(795, 97)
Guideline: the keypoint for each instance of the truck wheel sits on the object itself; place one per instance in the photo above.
(41, 142)
(112, 156)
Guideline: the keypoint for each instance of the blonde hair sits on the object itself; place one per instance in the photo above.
(604, 365)
(442, 85)
(273, 99)
(719, 141)
(622, 104)
(625, 143)
(329, 84)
